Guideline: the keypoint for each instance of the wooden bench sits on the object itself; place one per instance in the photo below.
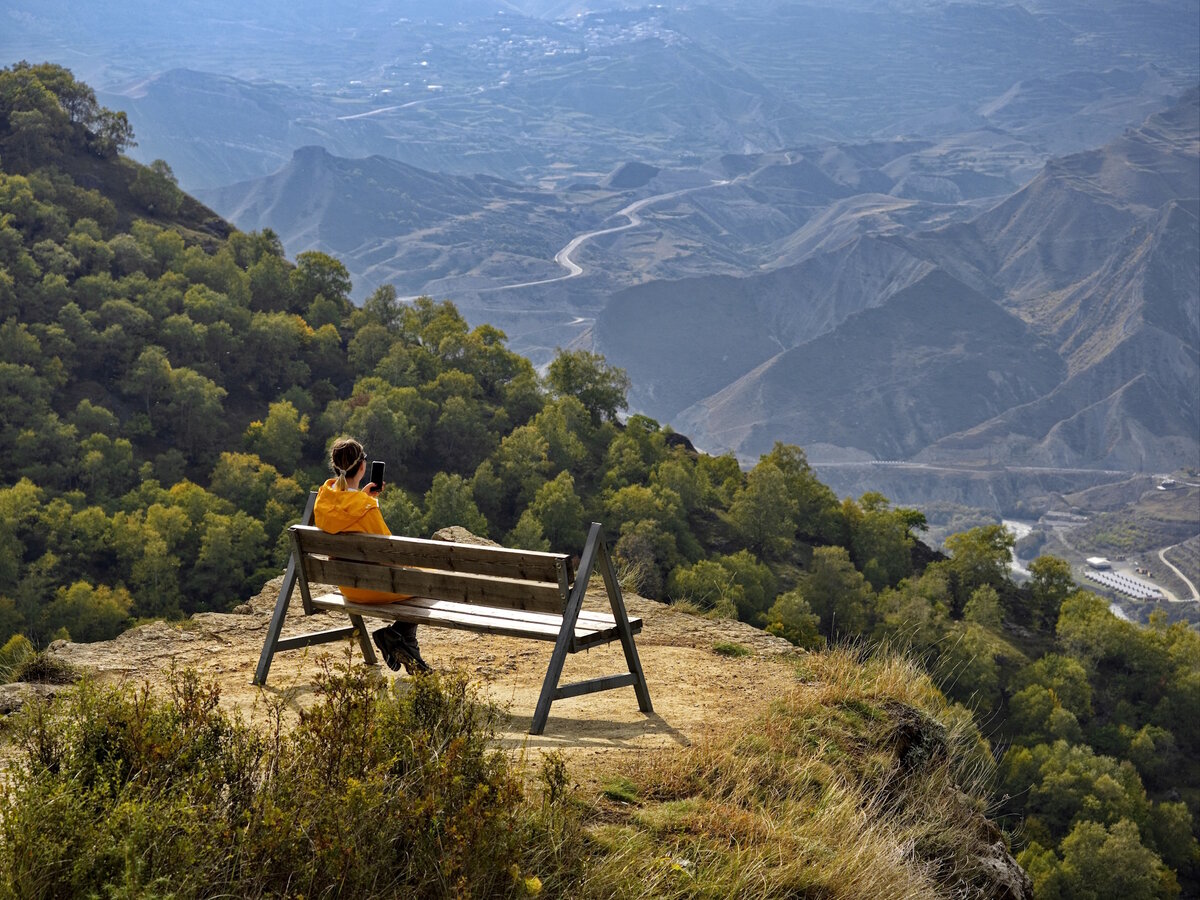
(486, 589)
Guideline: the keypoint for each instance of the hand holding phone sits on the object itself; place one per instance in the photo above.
(377, 476)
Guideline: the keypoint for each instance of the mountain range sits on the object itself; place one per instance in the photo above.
(1060, 327)
(893, 299)
(957, 234)
(226, 91)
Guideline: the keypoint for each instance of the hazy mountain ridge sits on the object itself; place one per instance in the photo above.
(513, 88)
(1095, 245)
(405, 225)
(890, 380)
(1085, 254)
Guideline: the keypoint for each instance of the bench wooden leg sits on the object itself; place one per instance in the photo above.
(364, 640)
(618, 607)
(281, 605)
(562, 645)
(595, 551)
(550, 683)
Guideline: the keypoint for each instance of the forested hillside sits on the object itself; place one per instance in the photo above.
(170, 386)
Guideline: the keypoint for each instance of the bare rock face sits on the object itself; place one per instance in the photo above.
(14, 696)
(1003, 878)
(458, 535)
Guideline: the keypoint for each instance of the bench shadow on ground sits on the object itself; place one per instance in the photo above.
(585, 732)
(297, 692)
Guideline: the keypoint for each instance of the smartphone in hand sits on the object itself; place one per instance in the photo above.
(377, 475)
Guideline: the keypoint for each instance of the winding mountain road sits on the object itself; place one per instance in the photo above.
(1162, 554)
(563, 256)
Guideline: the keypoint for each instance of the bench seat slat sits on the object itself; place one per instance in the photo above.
(457, 587)
(587, 618)
(597, 628)
(502, 562)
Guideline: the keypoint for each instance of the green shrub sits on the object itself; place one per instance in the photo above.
(14, 652)
(119, 793)
(730, 648)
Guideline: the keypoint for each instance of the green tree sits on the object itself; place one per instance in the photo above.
(461, 438)
(195, 405)
(763, 513)
(1073, 783)
(1035, 716)
(449, 502)
(880, 542)
(1064, 676)
(155, 188)
(368, 347)
(967, 666)
(601, 388)
(560, 512)
(916, 613)
(318, 274)
(837, 593)
(1099, 862)
(791, 617)
(231, 551)
(284, 340)
(565, 425)
(384, 307)
(636, 555)
(400, 512)
(984, 607)
(270, 285)
(758, 583)
(528, 534)
(708, 585)
(1051, 582)
(978, 557)
(279, 440)
(816, 508)
(88, 612)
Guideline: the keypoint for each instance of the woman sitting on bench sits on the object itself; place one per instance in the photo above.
(342, 507)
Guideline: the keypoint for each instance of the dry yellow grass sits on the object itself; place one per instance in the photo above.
(860, 783)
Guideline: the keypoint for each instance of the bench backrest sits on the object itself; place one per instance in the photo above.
(441, 570)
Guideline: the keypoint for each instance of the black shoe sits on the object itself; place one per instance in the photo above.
(384, 641)
(409, 653)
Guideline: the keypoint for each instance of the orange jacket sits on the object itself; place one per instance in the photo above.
(338, 511)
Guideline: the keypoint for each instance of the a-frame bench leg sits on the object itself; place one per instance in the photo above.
(566, 635)
(594, 551)
(619, 613)
(364, 640)
(281, 605)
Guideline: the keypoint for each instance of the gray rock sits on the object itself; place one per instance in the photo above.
(14, 696)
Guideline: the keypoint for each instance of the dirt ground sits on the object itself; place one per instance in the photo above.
(695, 690)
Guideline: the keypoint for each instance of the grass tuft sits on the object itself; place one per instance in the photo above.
(732, 649)
(45, 668)
(620, 789)
(861, 782)
(117, 792)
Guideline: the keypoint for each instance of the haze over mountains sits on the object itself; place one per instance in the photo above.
(955, 233)
(1059, 328)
